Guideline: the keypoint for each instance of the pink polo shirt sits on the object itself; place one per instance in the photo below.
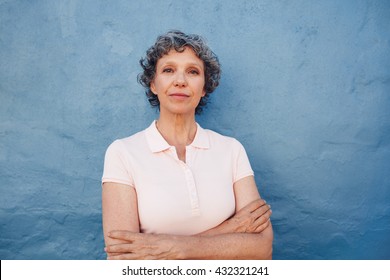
(176, 197)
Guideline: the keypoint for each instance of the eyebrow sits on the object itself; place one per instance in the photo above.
(169, 62)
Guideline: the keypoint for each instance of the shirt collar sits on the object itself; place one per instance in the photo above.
(201, 139)
(157, 143)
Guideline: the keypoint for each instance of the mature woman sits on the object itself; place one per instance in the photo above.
(176, 190)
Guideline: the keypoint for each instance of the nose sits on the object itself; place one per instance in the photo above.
(180, 79)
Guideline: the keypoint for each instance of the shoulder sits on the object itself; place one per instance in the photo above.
(219, 138)
(127, 143)
(222, 142)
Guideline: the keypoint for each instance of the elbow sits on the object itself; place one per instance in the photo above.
(263, 246)
(267, 244)
(268, 249)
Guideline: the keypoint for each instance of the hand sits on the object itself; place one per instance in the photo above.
(141, 246)
(253, 218)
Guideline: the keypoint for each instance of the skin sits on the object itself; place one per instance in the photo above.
(179, 84)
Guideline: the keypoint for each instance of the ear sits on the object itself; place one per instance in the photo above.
(152, 87)
(203, 93)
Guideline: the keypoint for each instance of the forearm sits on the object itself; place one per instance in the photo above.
(228, 246)
(222, 228)
(206, 247)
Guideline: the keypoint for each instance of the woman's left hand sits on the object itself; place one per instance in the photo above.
(142, 246)
(253, 218)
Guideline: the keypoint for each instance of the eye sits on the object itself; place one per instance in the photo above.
(194, 72)
(167, 70)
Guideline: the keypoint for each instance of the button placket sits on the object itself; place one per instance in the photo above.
(191, 185)
(190, 180)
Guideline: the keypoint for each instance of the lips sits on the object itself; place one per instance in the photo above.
(179, 96)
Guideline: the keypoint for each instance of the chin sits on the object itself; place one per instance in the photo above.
(182, 111)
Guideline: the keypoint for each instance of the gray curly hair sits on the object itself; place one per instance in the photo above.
(178, 41)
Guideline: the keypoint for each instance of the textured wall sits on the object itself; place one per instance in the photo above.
(305, 88)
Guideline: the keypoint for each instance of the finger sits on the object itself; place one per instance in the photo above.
(128, 256)
(265, 216)
(259, 220)
(263, 226)
(264, 219)
(253, 205)
(261, 223)
(131, 256)
(113, 254)
(120, 248)
(123, 234)
(261, 211)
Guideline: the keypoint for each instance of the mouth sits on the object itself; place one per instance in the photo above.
(180, 96)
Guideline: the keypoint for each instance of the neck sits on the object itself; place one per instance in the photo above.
(177, 130)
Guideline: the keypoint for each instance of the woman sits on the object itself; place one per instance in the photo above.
(176, 190)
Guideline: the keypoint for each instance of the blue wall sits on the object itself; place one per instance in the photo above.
(305, 88)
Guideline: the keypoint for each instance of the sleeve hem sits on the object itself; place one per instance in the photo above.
(112, 180)
(243, 175)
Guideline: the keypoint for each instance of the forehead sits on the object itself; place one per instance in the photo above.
(187, 56)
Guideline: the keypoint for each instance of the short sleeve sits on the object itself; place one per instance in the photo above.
(242, 167)
(116, 165)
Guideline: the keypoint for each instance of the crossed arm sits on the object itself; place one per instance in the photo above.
(246, 235)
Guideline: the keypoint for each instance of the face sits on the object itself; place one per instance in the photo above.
(179, 82)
